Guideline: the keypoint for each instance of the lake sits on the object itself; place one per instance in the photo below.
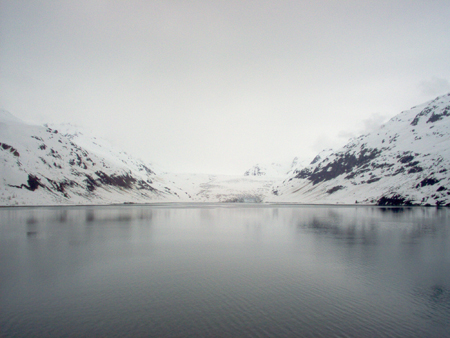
(224, 270)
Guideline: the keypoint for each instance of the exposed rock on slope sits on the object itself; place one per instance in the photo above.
(274, 169)
(405, 162)
(41, 165)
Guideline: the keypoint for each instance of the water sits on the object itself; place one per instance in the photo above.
(225, 270)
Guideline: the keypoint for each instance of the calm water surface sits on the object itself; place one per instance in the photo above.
(225, 270)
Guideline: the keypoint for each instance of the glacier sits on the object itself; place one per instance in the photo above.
(405, 162)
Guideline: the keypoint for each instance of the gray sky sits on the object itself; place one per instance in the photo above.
(217, 86)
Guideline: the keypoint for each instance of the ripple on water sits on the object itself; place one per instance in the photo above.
(224, 271)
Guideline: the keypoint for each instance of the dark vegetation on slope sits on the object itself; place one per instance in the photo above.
(394, 200)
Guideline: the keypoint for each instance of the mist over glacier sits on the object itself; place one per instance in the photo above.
(403, 162)
(217, 87)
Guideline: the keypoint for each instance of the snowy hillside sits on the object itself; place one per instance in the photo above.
(42, 165)
(405, 162)
(86, 139)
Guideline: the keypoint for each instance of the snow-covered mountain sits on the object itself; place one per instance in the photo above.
(272, 170)
(44, 165)
(405, 162)
(275, 169)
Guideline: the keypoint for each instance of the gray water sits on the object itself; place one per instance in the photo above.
(224, 270)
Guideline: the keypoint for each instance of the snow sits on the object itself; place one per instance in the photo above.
(406, 161)
(65, 155)
(412, 161)
(222, 188)
(275, 169)
(63, 168)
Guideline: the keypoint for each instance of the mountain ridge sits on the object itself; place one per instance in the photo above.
(405, 162)
(41, 165)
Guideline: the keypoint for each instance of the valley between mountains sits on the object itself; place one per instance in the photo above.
(405, 162)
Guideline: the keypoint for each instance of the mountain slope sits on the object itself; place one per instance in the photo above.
(275, 169)
(272, 170)
(405, 162)
(40, 165)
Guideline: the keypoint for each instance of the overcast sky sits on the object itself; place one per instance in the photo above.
(217, 86)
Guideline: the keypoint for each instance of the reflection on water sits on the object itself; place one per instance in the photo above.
(224, 270)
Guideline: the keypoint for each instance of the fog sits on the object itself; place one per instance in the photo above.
(217, 86)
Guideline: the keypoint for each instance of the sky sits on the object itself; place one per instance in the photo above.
(218, 86)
